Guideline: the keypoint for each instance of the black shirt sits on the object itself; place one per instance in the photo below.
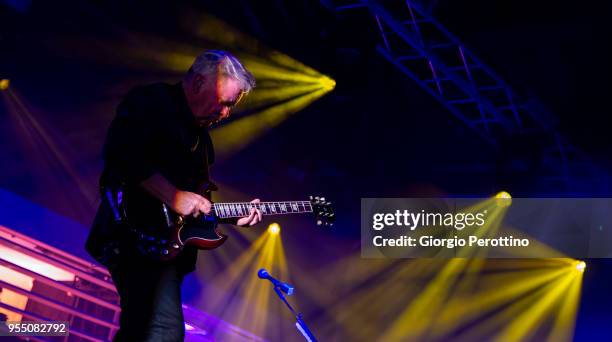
(154, 131)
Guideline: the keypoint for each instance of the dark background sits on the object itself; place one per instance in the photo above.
(377, 134)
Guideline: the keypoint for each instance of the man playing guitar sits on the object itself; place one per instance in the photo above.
(158, 147)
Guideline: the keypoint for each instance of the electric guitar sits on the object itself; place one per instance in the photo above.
(161, 233)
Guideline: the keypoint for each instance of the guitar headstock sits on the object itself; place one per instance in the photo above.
(323, 211)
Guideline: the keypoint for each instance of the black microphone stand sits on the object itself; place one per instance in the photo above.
(299, 323)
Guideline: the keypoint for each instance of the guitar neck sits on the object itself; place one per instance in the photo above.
(242, 209)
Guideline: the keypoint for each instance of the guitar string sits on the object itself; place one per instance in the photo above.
(227, 208)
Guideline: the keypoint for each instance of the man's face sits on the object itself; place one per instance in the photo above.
(213, 98)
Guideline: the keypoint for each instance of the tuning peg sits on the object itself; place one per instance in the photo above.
(319, 222)
(322, 199)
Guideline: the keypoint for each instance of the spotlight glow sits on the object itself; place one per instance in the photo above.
(327, 83)
(503, 194)
(274, 228)
(503, 199)
(4, 84)
(580, 266)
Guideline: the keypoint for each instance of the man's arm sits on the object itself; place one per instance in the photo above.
(131, 151)
(183, 202)
(188, 203)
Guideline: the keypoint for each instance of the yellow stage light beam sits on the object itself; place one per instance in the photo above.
(253, 315)
(490, 229)
(379, 298)
(478, 255)
(417, 317)
(565, 322)
(246, 302)
(488, 325)
(263, 70)
(502, 289)
(281, 261)
(232, 274)
(523, 326)
(236, 135)
(145, 52)
(456, 311)
(285, 85)
(352, 271)
(422, 312)
(514, 265)
(265, 96)
(456, 296)
(371, 281)
(4, 84)
(382, 301)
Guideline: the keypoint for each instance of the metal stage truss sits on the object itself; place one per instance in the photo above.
(423, 49)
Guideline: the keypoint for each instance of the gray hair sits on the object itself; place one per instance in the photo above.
(214, 61)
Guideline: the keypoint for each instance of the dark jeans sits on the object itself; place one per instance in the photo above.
(150, 300)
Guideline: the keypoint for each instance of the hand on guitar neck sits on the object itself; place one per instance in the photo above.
(254, 217)
(187, 203)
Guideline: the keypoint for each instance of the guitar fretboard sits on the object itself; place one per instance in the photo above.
(242, 209)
